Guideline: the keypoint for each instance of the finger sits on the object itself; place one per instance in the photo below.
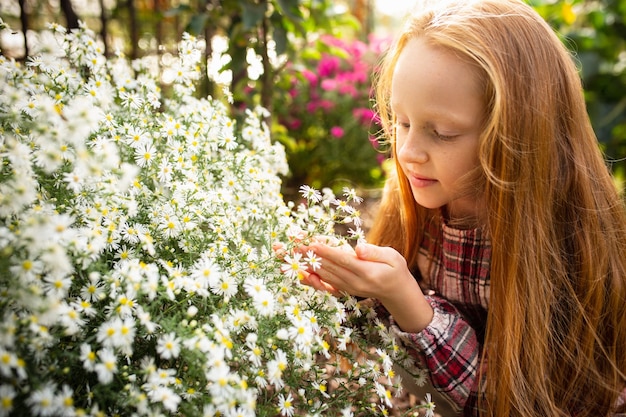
(313, 280)
(373, 253)
(326, 240)
(279, 249)
(337, 260)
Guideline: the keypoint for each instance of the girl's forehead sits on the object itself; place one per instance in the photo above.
(433, 78)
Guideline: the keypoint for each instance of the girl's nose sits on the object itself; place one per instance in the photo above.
(412, 150)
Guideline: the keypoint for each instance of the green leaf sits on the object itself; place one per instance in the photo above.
(253, 14)
(176, 11)
(197, 24)
(280, 36)
(291, 9)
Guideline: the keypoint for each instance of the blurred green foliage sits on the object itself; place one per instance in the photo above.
(596, 32)
(288, 39)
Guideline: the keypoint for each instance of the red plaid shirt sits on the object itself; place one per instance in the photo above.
(450, 347)
(458, 280)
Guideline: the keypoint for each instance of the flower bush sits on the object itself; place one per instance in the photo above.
(324, 114)
(137, 275)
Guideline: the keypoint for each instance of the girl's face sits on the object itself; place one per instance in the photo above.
(438, 106)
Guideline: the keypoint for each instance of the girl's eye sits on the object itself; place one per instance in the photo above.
(442, 137)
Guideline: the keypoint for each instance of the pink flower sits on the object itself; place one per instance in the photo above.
(348, 89)
(326, 104)
(336, 131)
(327, 66)
(332, 41)
(294, 124)
(328, 84)
(364, 115)
(379, 44)
(357, 49)
(310, 76)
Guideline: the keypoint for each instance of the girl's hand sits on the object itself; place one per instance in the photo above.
(308, 278)
(372, 271)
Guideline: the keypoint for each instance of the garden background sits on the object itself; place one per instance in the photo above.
(151, 155)
(310, 62)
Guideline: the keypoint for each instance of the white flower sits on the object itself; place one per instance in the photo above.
(145, 154)
(94, 290)
(253, 285)
(107, 333)
(130, 220)
(8, 361)
(344, 339)
(293, 266)
(131, 101)
(137, 137)
(429, 406)
(88, 357)
(351, 195)
(167, 397)
(311, 194)
(165, 171)
(65, 401)
(265, 303)
(71, 319)
(27, 269)
(226, 286)
(347, 412)
(383, 393)
(313, 260)
(107, 366)
(206, 270)
(254, 354)
(7, 394)
(285, 405)
(57, 286)
(168, 346)
(275, 369)
(42, 401)
(301, 332)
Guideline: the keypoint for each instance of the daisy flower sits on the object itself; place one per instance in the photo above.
(7, 394)
(107, 366)
(168, 346)
(65, 401)
(293, 266)
(42, 401)
(310, 194)
(265, 303)
(285, 405)
(429, 406)
(313, 260)
(8, 360)
(145, 154)
(88, 357)
(275, 368)
(167, 397)
(131, 101)
(351, 195)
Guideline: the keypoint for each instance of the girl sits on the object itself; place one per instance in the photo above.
(499, 251)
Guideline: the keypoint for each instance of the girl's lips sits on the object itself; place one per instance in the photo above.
(420, 182)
